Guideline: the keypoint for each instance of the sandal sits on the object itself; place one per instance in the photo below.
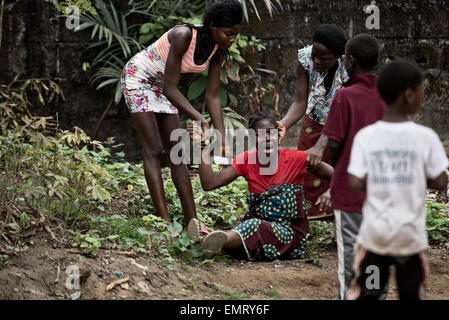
(213, 242)
(204, 230)
(193, 230)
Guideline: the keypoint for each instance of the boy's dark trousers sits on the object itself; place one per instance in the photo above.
(372, 274)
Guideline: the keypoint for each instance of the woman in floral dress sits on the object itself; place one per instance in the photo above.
(150, 86)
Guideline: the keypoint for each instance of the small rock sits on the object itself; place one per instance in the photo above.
(16, 290)
(84, 272)
(124, 286)
(32, 291)
(143, 287)
(117, 273)
(76, 295)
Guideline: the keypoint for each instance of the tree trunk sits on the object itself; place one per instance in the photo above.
(97, 129)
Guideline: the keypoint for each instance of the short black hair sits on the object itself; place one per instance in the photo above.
(365, 50)
(396, 77)
(259, 116)
(332, 37)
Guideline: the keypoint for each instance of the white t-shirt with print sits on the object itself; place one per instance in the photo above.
(397, 159)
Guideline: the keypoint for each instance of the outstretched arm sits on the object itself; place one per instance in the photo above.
(211, 180)
(324, 170)
(315, 154)
(212, 97)
(180, 39)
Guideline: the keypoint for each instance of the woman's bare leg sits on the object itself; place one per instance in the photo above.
(180, 175)
(148, 130)
(234, 240)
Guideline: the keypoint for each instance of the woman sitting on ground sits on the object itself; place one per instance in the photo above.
(276, 225)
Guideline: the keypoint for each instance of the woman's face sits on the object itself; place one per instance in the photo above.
(266, 136)
(224, 37)
(323, 58)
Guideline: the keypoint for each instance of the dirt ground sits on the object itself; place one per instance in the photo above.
(40, 273)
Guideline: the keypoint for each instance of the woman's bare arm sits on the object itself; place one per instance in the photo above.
(298, 107)
(180, 40)
(211, 180)
(212, 97)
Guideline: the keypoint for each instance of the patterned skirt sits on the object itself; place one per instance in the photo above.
(314, 186)
(141, 83)
(276, 225)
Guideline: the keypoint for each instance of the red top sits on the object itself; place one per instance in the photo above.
(290, 170)
(355, 106)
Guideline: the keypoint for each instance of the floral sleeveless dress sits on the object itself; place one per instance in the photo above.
(142, 77)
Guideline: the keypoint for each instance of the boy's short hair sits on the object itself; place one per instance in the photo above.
(396, 77)
(259, 116)
(365, 50)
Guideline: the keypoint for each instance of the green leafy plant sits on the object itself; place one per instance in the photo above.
(273, 294)
(90, 243)
(230, 71)
(51, 175)
(82, 5)
(437, 224)
(114, 41)
(238, 77)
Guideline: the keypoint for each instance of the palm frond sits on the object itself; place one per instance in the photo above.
(268, 3)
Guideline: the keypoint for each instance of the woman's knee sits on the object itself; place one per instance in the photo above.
(152, 152)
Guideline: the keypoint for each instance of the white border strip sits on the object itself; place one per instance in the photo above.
(340, 253)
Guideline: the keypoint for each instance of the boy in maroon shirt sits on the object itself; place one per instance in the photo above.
(355, 106)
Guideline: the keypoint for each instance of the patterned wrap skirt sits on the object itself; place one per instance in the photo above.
(314, 186)
(276, 225)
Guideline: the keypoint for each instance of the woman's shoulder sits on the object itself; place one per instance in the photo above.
(180, 33)
(305, 57)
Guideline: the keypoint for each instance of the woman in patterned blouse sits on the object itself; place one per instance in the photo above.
(321, 73)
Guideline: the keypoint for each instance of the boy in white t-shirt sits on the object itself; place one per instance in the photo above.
(395, 160)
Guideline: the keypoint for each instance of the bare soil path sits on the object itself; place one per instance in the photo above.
(40, 273)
